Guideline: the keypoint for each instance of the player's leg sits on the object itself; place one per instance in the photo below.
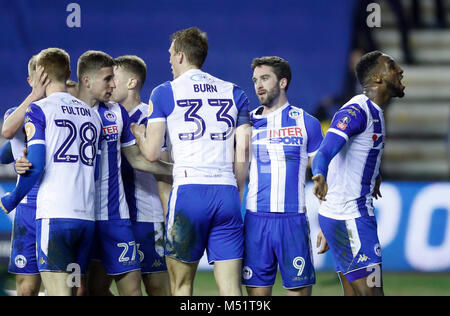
(150, 241)
(347, 288)
(119, 256)
(228, 277)
(28, 284)
(164, 190)
(226, 238)
(187, 227)
(55, 283)
(98, 282)
(23, 261)
(293, 250)
(260, 264)
(366, 281)
(157, 284)
(259, 291)
(61, 260)
(303, 291)
(129, 284)
(181, 276)
(356, 251)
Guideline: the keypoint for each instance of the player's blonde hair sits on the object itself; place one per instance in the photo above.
(134, 65)
(193, 43)
(56, 63)
(32, 66)
(93, 61)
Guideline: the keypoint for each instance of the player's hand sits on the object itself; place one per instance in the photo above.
(22, 164)
(138, 132)
(2, 206)
(320, 187)
(376, 191)
(322, 243)
(39, 83)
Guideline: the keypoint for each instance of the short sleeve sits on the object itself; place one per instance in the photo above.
(242, 104)
(314, 131)
(161, 103)
(349, 121)
(35, 125)
(9, 112)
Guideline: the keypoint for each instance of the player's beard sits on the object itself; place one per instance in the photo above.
(396, 91)
(272, 94)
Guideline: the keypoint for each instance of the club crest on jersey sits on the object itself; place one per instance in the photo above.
(343, 122)
(110, 116)
(30, 130)
(20, 261)
(294, 114)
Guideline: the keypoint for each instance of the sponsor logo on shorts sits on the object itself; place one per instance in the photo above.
(247, 273)
(362, 258)
(377, 250)
(20, 261)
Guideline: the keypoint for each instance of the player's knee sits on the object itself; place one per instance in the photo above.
(27, 288)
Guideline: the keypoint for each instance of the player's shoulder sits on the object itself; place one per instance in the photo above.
(138, 112)
(162, 90)
(358, 102)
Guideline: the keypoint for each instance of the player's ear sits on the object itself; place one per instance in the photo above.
(283, 83)
(86, 81)
(29, 81)
(132, 83)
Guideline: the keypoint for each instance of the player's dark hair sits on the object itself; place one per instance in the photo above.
(193, 43)
(280, 67)
(365, 65)
(56, 63)
(134, 65)
(93, 60)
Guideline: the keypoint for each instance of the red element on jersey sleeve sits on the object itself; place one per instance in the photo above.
(374, 137)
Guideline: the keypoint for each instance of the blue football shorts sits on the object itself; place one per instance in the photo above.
(204, 217)
(354, 244)
(62, 242)
(23, 242)
(150, 242)
(277, 239)
(115, 246)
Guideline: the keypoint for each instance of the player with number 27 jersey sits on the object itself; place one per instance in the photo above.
(202, 113)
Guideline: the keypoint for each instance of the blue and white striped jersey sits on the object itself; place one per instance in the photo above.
(353, 171)
(116, 134)
(202, 113)
(282, 141)
(18, 143)
(141, 188)
(70, 131)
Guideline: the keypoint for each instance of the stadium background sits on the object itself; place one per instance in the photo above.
(316, 37)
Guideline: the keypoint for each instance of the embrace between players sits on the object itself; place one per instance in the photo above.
(99, 166)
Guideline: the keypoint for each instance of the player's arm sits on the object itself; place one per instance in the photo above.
(6, 155)
(14, 121)
(160, 169)
(347, 122)
(35, 129)
(150, 146)
(242, 140)
(151, 139)
(242, 156)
